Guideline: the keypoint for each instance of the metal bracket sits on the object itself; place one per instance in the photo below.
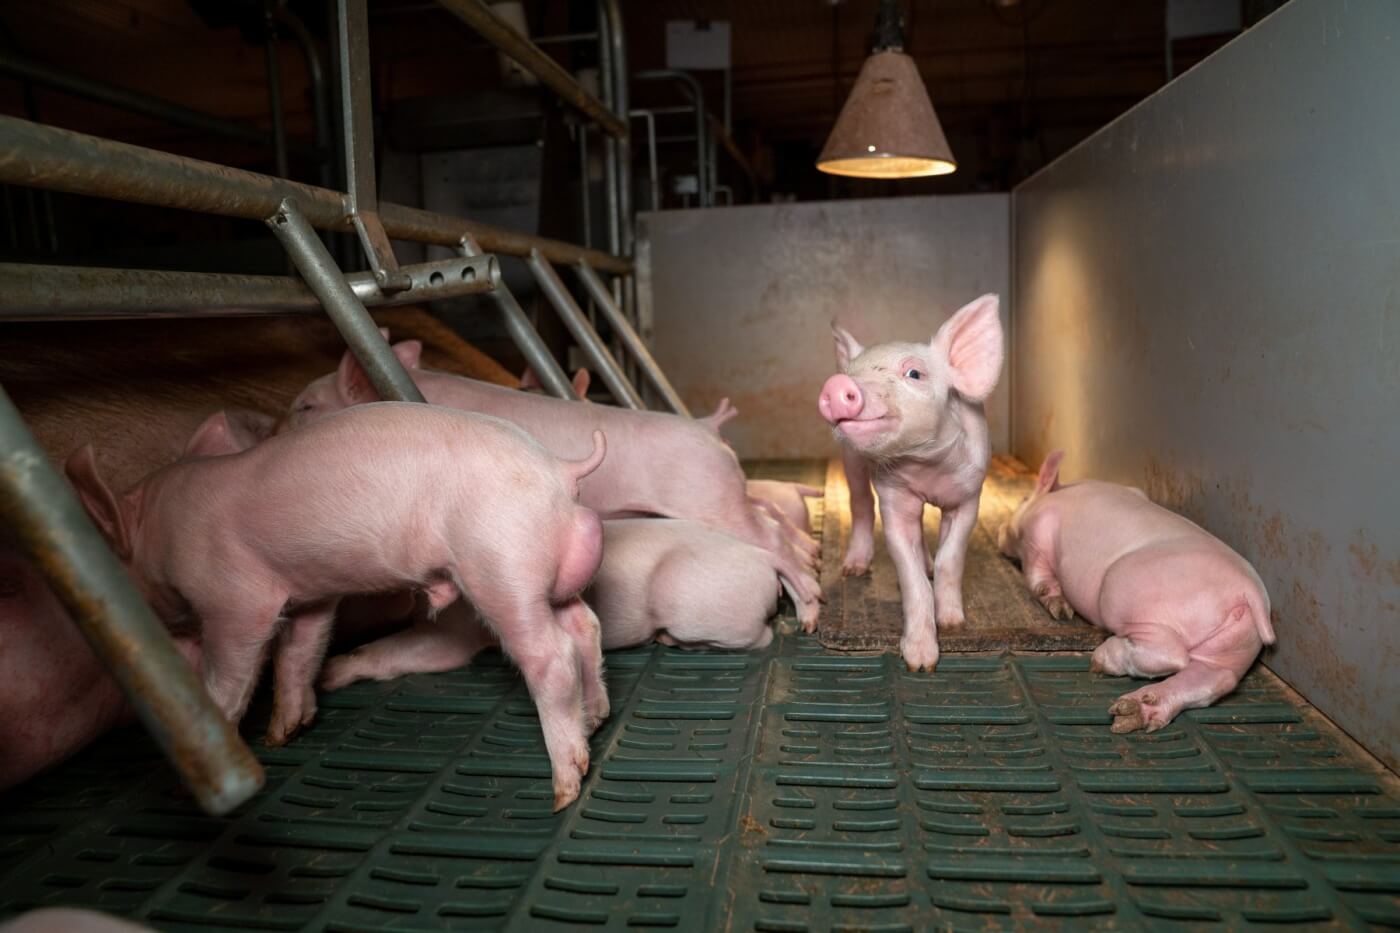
(362, 205)
(324, 278)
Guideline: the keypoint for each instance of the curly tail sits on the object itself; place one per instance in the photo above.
(723, 413)
(578, 469)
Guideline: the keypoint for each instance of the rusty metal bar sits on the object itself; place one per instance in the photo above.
(50, 525)
(80, 293)
(583, 332)
(499, 33)
(314, 262)
(60, 160)
(630, 339)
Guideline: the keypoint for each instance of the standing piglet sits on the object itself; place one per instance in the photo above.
(387, 496)
(909, 416)
(1177, 599)
(676, 581)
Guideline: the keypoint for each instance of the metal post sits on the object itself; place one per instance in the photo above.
(587, 338)
(630, 338)
(359, 144)
(50, 524)
(320, 95)
(362, 336)
(650, 117)
(586, 183)
(274, 94)
(610, 190)
(611, 15)
(523, 333)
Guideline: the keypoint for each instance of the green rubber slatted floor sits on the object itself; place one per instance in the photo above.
(790, 790)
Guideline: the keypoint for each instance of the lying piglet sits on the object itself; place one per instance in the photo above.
(788, 498)
(909, 415)
(658, 464)
(387, 496)
(1177, 599)
(676, 581)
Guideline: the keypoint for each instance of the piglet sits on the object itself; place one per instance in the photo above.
(387, 496)
(788, 498)
(675, 581)
(658, 463)
(909, 415)
(1177, 599)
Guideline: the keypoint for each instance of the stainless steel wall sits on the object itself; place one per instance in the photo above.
(741, 299)
(1208, 305)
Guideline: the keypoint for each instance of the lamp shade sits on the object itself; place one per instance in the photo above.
(887, 129)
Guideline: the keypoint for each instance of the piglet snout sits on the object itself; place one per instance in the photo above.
(840, 399)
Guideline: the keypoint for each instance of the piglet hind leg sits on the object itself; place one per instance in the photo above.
(954, 532)
(430, 646)
(301, 647)
(235, 644)
(579, 620)
(1196, 685)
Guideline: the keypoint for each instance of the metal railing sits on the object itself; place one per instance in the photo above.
(36, 502)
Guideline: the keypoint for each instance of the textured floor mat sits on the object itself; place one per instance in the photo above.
(795, 789)
(864, 613)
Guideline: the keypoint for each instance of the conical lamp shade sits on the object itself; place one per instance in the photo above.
(888, 128)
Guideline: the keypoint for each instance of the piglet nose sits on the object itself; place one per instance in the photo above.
(840, 398)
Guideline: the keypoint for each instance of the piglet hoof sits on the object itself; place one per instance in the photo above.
(595, 717)
(951, 620)
(855, 567)
(284, 728)
(565, 791)
(1059, 608)
(1128, 715)
(920, 654)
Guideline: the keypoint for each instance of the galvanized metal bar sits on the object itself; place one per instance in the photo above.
(499, 33)
(523, 333)
(320, 100)
(274, 93)
(48, 522)
(584, 334)
(650, 117)
(361, 334)
(610, 16)
(79, 293)
(584, 184)
(133, 102)
(612, 216)
(696, 93)
(630, 338)
(40, 156)
(353, 33)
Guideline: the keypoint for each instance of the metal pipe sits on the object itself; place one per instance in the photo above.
(320, 95)
(131, 101)
(650, 117)
(611, 14)
(696, 94)
(47, 157)
(77, 293)
(274, 94)
(46, 518)
(630, 338)
(731, 147)
(361, 334)
(584, 184)
(584, 334)
(499, 33)
(606, 75)
(523, 333)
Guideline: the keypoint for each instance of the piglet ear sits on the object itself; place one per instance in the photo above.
(352, 382)
(1049, 478)
(384, 332)
(530, 380)
(581, 380)
(98, 500)
(847, 347)
(971, 342)
(213, 438)
(409, 352)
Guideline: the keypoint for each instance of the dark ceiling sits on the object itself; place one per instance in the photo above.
(1014, 85)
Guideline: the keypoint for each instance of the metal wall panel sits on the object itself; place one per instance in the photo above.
(741, 299)
(1208, 305)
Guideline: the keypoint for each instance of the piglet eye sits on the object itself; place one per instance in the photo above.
(913, 374)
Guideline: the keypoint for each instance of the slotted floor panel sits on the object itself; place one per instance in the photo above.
(795, 789)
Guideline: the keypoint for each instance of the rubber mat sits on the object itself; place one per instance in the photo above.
(795, 789)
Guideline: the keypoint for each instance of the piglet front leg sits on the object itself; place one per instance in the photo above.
(861, 549)
(902, 514)
(301, 647)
